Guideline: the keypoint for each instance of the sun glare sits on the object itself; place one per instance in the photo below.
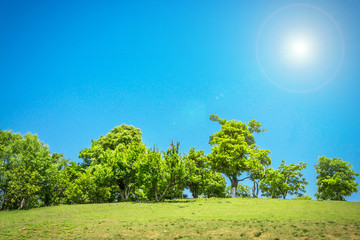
(299, 50)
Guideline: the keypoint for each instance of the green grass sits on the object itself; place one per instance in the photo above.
(188, 219)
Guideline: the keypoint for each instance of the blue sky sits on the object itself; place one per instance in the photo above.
(72, 70)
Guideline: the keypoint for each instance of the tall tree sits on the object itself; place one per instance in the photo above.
(335, 180)
(231, 148)
(287, 180)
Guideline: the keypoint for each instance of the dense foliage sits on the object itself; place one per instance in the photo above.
(120, 167)
(283, 181)
(234, 150)
(30, 174)
(335, 180)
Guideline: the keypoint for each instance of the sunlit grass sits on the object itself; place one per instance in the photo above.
(188, 219)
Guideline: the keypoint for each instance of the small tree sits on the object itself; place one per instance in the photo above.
(335, 179)
(163, 174)
(283, 181)
(202, 180)
(258, 164)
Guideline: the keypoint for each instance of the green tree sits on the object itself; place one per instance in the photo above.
(231, 148)
(114, 158)
(163, 175)
(119, 168)
(83, 188)
(28, 171)
(258, 163)
(287, 180)
(118, 138)
(202, 180)
(335, 180)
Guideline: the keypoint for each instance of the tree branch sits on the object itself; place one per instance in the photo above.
(243, 179)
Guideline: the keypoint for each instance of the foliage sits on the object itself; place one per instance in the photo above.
(84, 189)
(28, 171)
(283, 181)
(114, 160)
(303, 197)
(119, 169)
(258, 163)
(118, 138)
(335, 180)
(202, 179)
(231, 148)
(163, 174)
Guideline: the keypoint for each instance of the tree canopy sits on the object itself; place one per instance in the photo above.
(232, 147)
(29, 172)
(335, 180)
(284, 181)
(118, 138)
(120, 167)
(202, 180)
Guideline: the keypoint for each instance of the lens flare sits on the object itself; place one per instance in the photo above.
(300, 48)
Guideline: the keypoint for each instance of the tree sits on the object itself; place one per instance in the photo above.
(114, 157)
(84, 188)
(231, 148)
(335, 180)
(258, 164)
(118, 138)
(202, 179)
(214, 185)
(287, 180)
(28, 171)
(163, 174)
(120, 167)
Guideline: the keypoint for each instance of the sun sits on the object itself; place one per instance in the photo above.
(300, 50)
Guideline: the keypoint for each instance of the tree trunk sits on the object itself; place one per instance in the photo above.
(234, 184)
(127, 193)
(22, 204)
(254, 189)
(155, 188)
(163, 194)
(121, 196)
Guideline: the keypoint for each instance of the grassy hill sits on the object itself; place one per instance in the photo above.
(188, 219)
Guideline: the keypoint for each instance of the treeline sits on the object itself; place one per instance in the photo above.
(120, 167)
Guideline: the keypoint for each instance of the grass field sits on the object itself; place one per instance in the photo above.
(188, 219)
